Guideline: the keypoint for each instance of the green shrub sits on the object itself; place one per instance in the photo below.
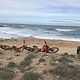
(65, 60)
(45, 72)
(30, 56)
(78, 56)
(65, 55)
(27, 61)
(72, 56)
(24, 64)
(6, 74)
(1, 53)
(42, 60)
(29, 68)
(10, 58)
(31, 76)
(11, 65)
(68, 72)
(17, 55)
(44, 55)
(69, 56)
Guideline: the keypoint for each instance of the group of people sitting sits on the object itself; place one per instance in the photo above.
(45, 47)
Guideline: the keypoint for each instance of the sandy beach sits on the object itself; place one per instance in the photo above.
(69, 47)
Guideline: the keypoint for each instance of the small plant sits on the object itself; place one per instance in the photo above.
(65, 54)
(42, 60)
(30, 56)
(0, 62)
(68, 72)
(1, 53)
(44, 55)
(78, 56)
(29, 68)
(72, 56)
(31, 76)
(45, 72)
(27, 61)
(6, 74)
(11, 65)
(24, 64)
(10, 58)
(17, 55)
(1, 57)
(65, 60)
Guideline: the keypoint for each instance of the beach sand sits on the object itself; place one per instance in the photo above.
(69, 47)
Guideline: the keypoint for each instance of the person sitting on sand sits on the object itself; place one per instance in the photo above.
(24, 45)
(78, 50)
(45, 48)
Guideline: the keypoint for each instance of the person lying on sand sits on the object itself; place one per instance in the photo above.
(17, 48)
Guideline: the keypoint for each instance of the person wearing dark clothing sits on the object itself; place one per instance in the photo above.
(78, 50)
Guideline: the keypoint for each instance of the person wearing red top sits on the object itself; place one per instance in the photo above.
(45, 48)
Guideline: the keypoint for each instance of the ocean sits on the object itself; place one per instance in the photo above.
(70, 33)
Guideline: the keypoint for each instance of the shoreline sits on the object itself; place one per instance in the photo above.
(67, 40)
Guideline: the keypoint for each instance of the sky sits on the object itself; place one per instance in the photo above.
(49, 12)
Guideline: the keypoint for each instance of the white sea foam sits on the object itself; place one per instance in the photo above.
(43, 32)
(59, 38)
(65, 30)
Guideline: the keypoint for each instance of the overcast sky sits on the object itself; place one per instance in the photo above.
(55, 12)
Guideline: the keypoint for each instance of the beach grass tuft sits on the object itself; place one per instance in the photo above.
(26, 62)
(42, 60)
(6, 74)
(31, 76)
(11, 65)
(66, 72)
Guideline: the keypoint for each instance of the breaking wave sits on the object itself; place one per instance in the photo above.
(39, 31)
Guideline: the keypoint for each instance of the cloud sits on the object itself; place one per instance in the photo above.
(40, 11)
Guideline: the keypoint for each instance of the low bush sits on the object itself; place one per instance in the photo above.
(68, 72)
(24, 64)
(72, 56)
(10, 58)
(17, 55)
(65, 54)
(45, 72)
(27, 61)
(1, 53)
(6, 74)
(78, 56)
(11, 65)
(30, 56)
(42, 60)
(65, 60)
(31, 76)
(44, 55)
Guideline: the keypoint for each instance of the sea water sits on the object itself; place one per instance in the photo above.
(71, 33)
